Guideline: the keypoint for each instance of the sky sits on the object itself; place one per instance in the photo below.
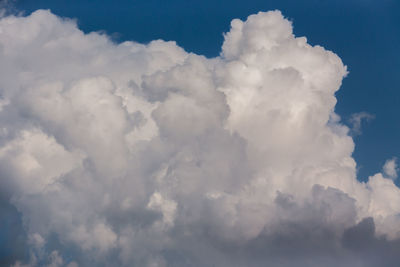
(199, 133)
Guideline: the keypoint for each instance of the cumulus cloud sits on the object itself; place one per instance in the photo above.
(146, 155)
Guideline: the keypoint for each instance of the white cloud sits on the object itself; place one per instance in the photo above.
(390, 168)
(146, 155)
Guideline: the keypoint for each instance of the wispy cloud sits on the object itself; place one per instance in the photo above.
(356, 121)
(390, 168)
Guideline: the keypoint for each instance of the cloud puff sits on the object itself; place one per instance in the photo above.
(390, 168)
(146, 155)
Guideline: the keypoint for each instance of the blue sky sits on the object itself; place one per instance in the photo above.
(364, 33)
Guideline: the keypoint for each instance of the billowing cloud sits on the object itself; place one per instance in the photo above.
(146, 155)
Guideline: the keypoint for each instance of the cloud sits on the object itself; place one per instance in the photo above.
(146, 155)
(7, 7)
(390, 168)
(356, 120)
